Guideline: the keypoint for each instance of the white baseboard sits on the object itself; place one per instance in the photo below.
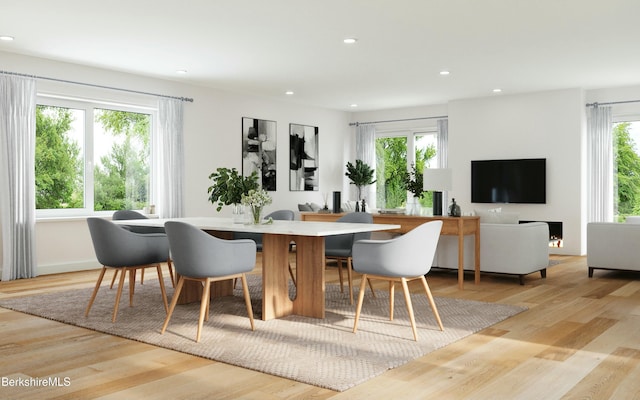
(68, 267)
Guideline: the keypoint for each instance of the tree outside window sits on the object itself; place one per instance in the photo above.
(627, 165)
(114, 176)
(394, 158)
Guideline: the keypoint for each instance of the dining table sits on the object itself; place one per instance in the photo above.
(278, 237)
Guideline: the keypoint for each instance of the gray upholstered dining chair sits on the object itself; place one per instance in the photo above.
(339, 247)
(122, 215)
(278, 215)
(126, 251)
(401, 259)
(198, 256)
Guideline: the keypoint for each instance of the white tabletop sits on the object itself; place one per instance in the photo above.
(300, 228)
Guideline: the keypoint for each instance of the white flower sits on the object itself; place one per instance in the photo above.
(256, 198)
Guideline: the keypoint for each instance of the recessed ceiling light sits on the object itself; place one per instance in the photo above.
(497, 90)
(444, 72)
(350, 40)
(354, 105)
(6, 38)
(181, 71)
(289, 92)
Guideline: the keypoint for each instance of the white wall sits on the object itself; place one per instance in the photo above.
(548, 125)
(538, 125)
(212, 139)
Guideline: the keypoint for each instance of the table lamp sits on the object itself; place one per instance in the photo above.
(437, 180)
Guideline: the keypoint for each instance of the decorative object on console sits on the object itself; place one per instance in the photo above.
(336, 202)
(437, 180)
(454, 209)
(303, 157)
(361, 175)
(259, 150)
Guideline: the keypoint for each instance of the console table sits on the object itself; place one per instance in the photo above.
(453, 226)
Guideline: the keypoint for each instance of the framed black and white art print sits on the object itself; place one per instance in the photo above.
(303, 157)
(259, 150)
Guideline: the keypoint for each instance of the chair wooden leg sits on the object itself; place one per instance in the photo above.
(95, 290)
(132, 285)
(204, 302)
(432, 303)
(363, 285)
(392, 298)
(174, 301)
(350, 279)
(115, 275)
(206, 313)
(142, 277)
(340, 275)
(293, 277)
(407, 298)
(119, 294)
(170, 267)
(247, 299)
(373, 292)
(162, 288)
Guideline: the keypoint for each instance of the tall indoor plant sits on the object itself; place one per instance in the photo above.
(360, 174)
(229, 186)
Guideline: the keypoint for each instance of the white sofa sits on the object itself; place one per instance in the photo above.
(505, 248)
(612, 245)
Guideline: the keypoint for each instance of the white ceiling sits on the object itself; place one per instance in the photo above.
(267, 47)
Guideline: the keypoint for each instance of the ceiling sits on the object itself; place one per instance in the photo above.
(267, 47)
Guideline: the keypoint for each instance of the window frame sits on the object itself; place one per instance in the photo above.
(89, 105)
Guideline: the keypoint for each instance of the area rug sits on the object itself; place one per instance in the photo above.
(320, 352)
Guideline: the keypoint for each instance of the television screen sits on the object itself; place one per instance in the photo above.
(509, 181)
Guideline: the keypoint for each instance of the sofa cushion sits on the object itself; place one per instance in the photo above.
(304, 207)
(492, 217)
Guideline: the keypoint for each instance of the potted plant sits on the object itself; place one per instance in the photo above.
(413, 182)
(229, 186)
(360, 174)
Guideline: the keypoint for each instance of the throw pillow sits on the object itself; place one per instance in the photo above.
(304, 207)
(492, 217)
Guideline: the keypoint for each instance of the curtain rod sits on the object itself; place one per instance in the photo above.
(395, 120)
(596, 104)
(96, 86)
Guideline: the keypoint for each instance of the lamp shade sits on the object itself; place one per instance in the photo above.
(437, 179)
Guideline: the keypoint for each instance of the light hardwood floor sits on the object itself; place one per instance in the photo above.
(580, 338)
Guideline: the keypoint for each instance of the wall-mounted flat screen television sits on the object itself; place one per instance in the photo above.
(509, 181)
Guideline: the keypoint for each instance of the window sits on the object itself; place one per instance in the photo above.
(626, 136)
(397, 153)
(91, 157)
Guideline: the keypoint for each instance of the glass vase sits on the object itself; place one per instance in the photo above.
(237, 216)
(256, 215)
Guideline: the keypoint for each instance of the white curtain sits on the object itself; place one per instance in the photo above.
(600, 164)
(443, 154)
(169, 149)
(17, 176)
(366, 151)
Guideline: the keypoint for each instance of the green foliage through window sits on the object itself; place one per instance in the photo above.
(627, 164)
(58, 162)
